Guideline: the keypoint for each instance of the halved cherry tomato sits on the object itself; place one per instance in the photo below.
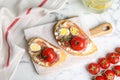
(104, 63)
(78, 43)
(49, 55)
(99, 78)
(93, 68)
(109, 75)
(113, 57)
(116, 69)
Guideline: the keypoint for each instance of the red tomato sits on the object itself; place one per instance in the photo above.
(109, 75)
(78, 43)
(116, 69)
(113, 57)
(93, 68)
(118, 50)
(49, 55)
(99, 78)
(104, 63)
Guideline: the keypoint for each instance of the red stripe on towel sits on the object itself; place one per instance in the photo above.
(29, 10)
(41, 4)
(6, 37)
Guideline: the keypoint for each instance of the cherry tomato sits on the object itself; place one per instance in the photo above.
(93, 68)
(99, 78)
(104, 63)
(109, 75)
(117, 49)
(78, 43)
(116, 69)
(113, 57)
(49, 55)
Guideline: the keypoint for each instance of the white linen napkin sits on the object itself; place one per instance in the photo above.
(15, 16)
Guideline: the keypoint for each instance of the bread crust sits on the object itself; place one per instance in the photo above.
(62, 55)
(82, 33)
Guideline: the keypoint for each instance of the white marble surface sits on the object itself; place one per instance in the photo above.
(105, 43)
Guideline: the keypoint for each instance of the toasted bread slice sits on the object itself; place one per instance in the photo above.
(61, 37)
(37, 51)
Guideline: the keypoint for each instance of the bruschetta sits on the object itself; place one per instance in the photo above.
(73, 39)
(44, 53)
